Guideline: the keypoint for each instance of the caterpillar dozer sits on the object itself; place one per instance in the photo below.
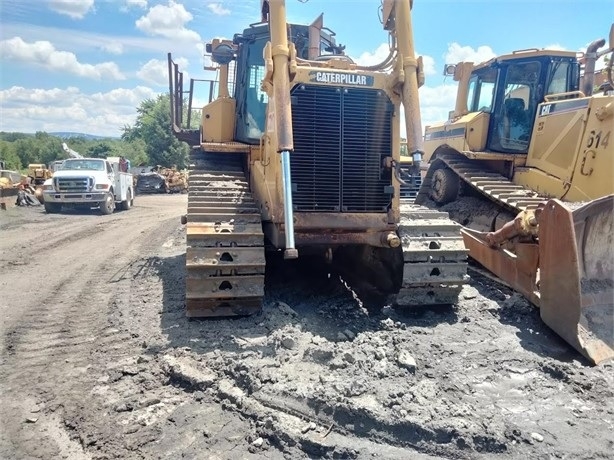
(38, 174)
(299, 152)
(525, 162)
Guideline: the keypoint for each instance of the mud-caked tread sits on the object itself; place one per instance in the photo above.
(497, 188)
(446, 185)
(225, 260)
(435, 258)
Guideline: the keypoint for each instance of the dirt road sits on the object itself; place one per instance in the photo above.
(99, 362)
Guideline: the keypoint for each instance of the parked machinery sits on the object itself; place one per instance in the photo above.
(303, 153)
(38, 174)
(162, 180)
(537, 149)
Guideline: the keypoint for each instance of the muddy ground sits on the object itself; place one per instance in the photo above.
(99, 362)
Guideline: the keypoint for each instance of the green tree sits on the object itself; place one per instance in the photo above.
(136, 152)
(153, 127)
(9, 156)
(101, 149)
(12, 137)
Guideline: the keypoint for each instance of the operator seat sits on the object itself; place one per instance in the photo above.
(515, 120)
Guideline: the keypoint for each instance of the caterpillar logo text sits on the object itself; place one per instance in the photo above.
(341, 78)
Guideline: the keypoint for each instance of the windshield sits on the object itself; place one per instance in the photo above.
(87, 165)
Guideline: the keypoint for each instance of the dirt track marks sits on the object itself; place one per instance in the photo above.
(57, 331)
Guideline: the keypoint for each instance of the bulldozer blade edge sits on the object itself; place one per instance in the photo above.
(577, 275)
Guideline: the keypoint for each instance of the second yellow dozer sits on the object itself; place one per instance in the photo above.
(527, 161)
(38, 174)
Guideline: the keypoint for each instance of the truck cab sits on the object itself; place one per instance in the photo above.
(88, 183)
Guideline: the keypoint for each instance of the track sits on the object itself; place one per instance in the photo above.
(434, 256)
(225, 260)
(496, 187)
(222, 214)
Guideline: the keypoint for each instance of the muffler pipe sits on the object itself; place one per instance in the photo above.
(589, 66)
(291, 252)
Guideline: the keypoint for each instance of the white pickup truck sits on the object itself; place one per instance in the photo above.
(89, 182)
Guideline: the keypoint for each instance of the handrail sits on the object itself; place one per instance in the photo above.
(558, 96)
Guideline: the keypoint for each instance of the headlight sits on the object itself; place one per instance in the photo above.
(101, 186)
(48, 188)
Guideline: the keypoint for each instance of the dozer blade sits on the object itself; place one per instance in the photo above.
(569, 274)
(518, 269)
(577, 275)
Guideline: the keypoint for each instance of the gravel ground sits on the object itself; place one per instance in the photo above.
(98, 360)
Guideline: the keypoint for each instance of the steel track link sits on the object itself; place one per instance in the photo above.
(434, 255)
(225, 261)
(494, 186)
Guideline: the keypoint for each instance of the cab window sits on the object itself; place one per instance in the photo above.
(563, 77)
(515, 114)
(482, 93)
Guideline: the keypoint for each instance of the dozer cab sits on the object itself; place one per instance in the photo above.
(299, 152)
(527, 159)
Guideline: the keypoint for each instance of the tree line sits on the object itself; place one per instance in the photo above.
(148, 142)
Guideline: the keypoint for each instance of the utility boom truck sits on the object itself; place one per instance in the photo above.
(87, 183)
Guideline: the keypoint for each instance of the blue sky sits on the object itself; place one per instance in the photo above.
(85, 65)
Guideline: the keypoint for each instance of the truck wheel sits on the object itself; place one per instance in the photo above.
(52, 208)
(108, 205)
(128, 202)
(444, 186)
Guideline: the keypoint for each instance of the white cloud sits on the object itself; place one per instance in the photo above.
(555, 46)
(168, 21)
(436, 102)
(429, 65)
(43, 53)
(137, 3)
(76, 9)
(367, 58)
(218, 9)
(382, 51)
(129, 4)
(81, 40)
(105, 114)
(155, 71)
(457, 53)
(113, 47)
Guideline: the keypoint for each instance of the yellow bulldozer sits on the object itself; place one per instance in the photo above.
(300, 150)
(38, 174)
(525, 162)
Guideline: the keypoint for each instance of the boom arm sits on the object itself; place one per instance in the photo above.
(70, 151)
(397, 19)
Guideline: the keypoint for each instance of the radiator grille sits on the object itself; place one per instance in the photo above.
(74, 184)
(341, 136)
